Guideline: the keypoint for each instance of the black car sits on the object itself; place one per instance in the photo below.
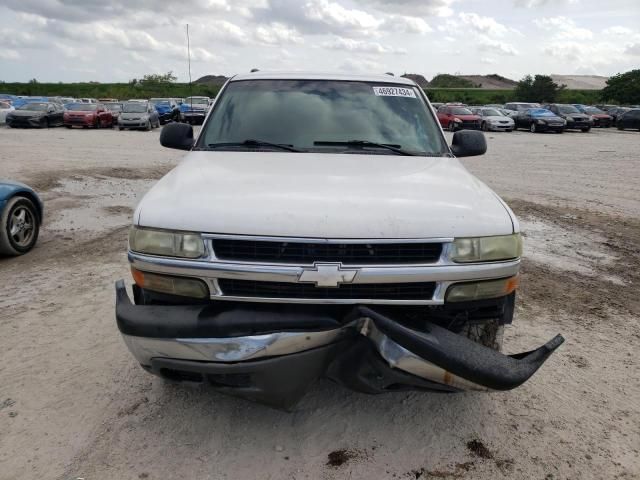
(539, 120)
(36, 114)
(630, 119)
(576, 120)
(617, 112)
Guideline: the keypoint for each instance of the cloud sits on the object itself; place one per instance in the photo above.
(361, 65)
(563, 28)
(498, 47)
(617, 30)
(8, 54)
(542, 3)
(487, 25)
(362, 46)
(438, 8)
(277, 34)
(405, 24)
(633, 49)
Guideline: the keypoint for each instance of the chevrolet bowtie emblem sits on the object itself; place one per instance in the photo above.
(327, 275)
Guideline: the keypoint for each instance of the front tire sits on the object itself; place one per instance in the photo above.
(533, 128)
(44, 123)
(619, 126)
(484, 127)
(19, 226)
(585, 130)
(452, 127)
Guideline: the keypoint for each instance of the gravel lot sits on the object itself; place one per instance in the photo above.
(73, 403)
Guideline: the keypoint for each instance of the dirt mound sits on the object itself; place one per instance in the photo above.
(581, 82)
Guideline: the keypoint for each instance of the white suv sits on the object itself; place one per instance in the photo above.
(320, 225)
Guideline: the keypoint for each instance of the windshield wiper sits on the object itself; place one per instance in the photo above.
(365, 143)
(255, 143)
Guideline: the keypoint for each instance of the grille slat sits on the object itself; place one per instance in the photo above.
(309, 252)
(383, 291)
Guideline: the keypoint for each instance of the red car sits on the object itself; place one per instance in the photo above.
(88, 115)
(454, 118)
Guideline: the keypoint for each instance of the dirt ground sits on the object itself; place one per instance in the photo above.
(74, 404)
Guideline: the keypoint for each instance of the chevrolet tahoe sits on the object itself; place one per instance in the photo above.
(322, 226)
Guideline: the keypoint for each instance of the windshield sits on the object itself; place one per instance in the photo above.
(491, 112)
(567, 109)
(36, 107)
(461, 111)
(159, 100)
(593, 110)
(134, 107)
(541, 112)
(302, 112)
(82, 107)
(114, 107)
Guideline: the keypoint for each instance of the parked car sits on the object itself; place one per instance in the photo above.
(514, 108)
(167, 108)
(457, 118)
(616, 112)
(598, 117)
(494, 120)
(21, 211)
(539, 120)
(87, 100)
(436, 105)
(108, 100)
(575, 119)
(38, 115)
(268, 257)
(5, 108)
(194, 109)
(115, 108)
(139, 116)
(630, 119)
(86, 115)
(606, 107)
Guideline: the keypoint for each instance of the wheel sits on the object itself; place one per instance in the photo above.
(97, 124)
(533, 128)
(452, 127)
(44, 123)
(158, 124)
(19, 226)
(148, 126)
(585, 130)
(120, 128)
(484, 127)
(619, 126)
(560, 131)
(489, 333)
(510, 130)
(68, 126)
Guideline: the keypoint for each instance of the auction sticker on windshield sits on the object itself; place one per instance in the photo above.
(394, 92)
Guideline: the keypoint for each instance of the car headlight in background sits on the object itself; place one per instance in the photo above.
(457, 120)
(468, 292)
(486, 249)
(540, 122)
(166, 243)
(88, 115)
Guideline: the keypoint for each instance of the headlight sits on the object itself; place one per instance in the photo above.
(457, 120)
(88, 115)
(486, 249)
(183, 286)
(166, 243)
(467, 292)
(540, 122)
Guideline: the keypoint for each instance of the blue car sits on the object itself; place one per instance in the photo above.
(21, 211)
(168, 109)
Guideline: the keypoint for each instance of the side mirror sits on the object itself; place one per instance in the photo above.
(177, 135)
(468, 143)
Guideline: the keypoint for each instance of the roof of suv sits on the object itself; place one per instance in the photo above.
(322, 76)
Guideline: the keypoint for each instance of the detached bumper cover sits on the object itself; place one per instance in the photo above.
(273, 357)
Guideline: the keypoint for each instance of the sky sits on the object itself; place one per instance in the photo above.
(117, 40)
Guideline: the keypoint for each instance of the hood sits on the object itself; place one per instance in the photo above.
(601, 115)
(163, 108)
(323, 195)
(128, 115)
(78, 113)
(26, 113)
(571, 116)
(467, 117)
(498, 118)
(548, 117)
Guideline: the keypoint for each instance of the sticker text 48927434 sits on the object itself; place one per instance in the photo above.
(394, 92)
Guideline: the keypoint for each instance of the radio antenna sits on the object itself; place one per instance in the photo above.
(189, 64)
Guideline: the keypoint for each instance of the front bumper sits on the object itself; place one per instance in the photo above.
(24, 122)
(194, 117)
(273, 355)
(500, 127)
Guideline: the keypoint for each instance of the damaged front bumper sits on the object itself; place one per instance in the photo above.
(274, 356)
